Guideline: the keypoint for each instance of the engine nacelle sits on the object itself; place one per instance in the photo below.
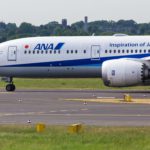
(124, 72)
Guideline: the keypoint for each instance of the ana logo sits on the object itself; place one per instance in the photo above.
(49, 46)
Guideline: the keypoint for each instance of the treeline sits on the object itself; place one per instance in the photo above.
(12, 31)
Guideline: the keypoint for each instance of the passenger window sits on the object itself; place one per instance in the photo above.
(145, 51)
(149, 50)
(114, 51)
(140, 51)
(105, 51)
(25, 52)
(123, 51)
(54, 52)
(50, 52)
(136, 51)
(118, 51)
(71, 51)
(127, 51)
(131, 51)
(33, 52)
(46, 52)
(29, 52)
(109, 51)
(84, 51)
(59, 52)
(76, 51)
(41, 52)
(67, 51)
(37, 52)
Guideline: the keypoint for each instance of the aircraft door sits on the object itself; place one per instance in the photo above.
(95, 52)
(12, 53)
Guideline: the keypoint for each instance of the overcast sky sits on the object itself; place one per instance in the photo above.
(43, 11)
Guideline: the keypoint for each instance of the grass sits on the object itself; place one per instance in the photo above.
(66, 84)
(57, 138)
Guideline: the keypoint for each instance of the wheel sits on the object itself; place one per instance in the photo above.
(13, 87)
(10, 87)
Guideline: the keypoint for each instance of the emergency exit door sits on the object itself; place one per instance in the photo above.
(12, 53)
(95, 52)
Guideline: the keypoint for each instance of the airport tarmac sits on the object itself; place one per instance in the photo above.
(51, 107)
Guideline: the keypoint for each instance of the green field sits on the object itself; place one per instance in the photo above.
(65, 84)
(57, 138)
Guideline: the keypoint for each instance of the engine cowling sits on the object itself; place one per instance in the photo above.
(124, 72)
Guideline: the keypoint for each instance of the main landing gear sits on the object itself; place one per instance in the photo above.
(9, 87)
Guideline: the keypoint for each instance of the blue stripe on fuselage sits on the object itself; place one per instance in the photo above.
(79, 62)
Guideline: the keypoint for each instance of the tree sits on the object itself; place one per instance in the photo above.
(26, 28)
(11, 29)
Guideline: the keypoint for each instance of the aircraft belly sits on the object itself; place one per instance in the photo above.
(54, 72)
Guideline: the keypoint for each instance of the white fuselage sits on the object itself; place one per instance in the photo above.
(68, 56)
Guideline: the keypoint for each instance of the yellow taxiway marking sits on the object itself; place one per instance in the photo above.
(111, 100)
(7, 93)
(20, 114)
(75, 115)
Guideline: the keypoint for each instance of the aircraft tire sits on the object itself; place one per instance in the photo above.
(10, 87)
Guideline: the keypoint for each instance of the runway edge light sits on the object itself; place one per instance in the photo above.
(40, 127)
(75, 128)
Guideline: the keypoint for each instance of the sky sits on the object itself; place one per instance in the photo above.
(40, 12)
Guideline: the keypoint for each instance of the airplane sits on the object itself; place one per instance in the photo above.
(120, 60)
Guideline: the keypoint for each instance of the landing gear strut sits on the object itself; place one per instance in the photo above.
(9, 87)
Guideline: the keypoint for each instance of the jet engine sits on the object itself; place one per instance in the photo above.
(125, 72)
